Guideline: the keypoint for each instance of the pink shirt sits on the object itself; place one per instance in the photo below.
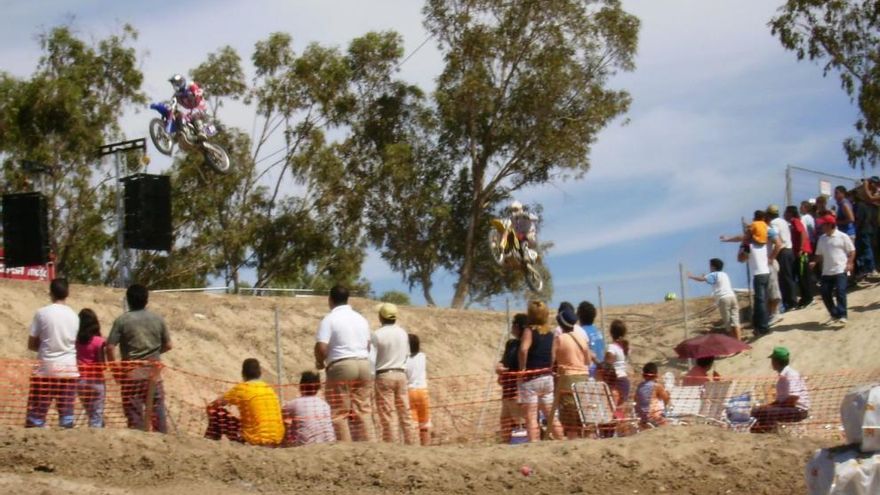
(88, 357)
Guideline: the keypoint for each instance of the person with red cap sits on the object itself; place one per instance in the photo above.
(835, 254)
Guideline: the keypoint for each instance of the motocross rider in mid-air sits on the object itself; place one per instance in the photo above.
(189, 96)
(525, 226)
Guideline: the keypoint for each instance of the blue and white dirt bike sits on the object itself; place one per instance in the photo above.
(171, 129)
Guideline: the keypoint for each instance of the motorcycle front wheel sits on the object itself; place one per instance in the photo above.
(217, 158)
(497, 246)
(533, 276)
(163, 141)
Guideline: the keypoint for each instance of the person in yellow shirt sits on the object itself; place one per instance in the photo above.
(260, 421)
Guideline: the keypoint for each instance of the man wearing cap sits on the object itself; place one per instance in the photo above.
(835, 254)
(343, 348)
(571, 355)
(392, 351)
(792, 403)
(785, 258)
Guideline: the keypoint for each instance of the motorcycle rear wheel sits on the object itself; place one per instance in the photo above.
(217, 158)
(163, 141)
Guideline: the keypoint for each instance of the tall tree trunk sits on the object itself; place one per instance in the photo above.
(426, 284)
(467, 265)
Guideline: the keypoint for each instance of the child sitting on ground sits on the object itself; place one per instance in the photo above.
(309, 414)
(650, 398)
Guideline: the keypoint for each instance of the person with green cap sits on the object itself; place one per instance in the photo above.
(792, 403)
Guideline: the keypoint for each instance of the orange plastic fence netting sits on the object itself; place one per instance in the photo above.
(455, 409)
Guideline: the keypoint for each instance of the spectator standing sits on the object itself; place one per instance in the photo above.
(759, 266)
(571, 356)
(616, 356)
(871, 190)
(774, 293)
(142, 337)
(511, 411)
(792, 403)
(53, 336)
(343, 347)
(91, 358)
(846, 218)
(803, 252)
(807, 218)
(417, 385)
(835, 254)
(725, 298)
(392, 350)
(536, 379)
(586, 313)
(310, 418)
(866, 226)
(785, 258)
(260, 421)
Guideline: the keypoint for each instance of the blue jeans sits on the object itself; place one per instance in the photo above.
(834, 287)
(760, 315)
(43, 391)
(91, 393)
(865, 261)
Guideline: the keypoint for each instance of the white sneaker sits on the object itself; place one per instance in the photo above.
(841, 321)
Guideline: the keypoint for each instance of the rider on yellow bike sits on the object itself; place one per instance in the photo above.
(525, 226)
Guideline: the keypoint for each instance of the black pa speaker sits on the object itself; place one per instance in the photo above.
(25, 229)
(147, 212)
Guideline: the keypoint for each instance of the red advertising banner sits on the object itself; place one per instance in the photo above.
(36, 272)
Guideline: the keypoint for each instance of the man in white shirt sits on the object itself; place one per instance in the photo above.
(792, 403)
(343, 348)
(53, 336)
(725, 297)
(835, 253)
(785, 258)
(392, 350)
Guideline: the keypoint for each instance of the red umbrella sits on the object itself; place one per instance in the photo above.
(710, 345)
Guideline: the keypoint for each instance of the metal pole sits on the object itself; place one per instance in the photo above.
(121, 255)
(788, 193)
(602, 317)
(684, 308)
(278, 356)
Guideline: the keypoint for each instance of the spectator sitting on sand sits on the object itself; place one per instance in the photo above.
(571, 357)
(309, 414)
(792, 402)
(260, 421)
(511, 410)
(724, 296)
(699, 374)
(417, 386)
(650, 398)
(536, 381)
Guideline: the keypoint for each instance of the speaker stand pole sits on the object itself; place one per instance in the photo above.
(121, 253)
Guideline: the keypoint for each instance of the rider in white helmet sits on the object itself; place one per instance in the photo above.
(525, 226)
(189, 96)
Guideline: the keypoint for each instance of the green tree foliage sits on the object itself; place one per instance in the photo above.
(845, 36)
(523, 95)
(395, 297)
(59, 117)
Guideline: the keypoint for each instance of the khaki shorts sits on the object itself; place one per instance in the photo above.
(773, 292)
(729, 310)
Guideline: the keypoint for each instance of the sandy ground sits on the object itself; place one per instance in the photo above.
(213, 333)
(669, 460)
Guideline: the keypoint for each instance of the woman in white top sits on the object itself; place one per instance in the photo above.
(616, 356)
(417, 377)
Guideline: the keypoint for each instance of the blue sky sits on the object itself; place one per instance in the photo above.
(719, 109)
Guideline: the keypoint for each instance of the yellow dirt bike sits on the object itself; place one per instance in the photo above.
(507, 246)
